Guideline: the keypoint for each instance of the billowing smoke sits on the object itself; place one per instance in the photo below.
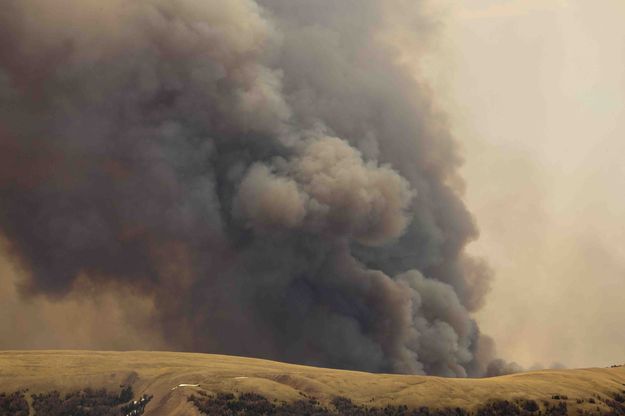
(269, 174)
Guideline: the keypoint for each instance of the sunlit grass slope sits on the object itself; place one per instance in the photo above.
(159, 374)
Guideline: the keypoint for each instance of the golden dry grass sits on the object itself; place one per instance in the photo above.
(158, 372)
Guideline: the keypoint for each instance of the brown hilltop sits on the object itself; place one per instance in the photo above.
(159, 374)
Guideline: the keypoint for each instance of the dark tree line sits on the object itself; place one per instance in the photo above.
(252, 404)
(13, 404)
(85, 402)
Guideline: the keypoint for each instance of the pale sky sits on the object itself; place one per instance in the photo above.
(537, 91)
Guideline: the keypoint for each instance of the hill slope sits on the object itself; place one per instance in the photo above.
(159, 374)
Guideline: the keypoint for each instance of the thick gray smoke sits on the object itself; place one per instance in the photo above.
(268, 172)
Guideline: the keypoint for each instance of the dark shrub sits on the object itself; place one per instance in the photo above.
(559, 409)
(529, 406)
(13, 404)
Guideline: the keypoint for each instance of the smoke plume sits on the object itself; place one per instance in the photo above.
(268, 174)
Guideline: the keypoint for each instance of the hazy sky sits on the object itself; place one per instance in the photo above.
(538, 91)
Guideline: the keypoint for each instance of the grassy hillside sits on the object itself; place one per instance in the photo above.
(159, 374)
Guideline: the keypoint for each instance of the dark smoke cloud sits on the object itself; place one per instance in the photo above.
(267, 173)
